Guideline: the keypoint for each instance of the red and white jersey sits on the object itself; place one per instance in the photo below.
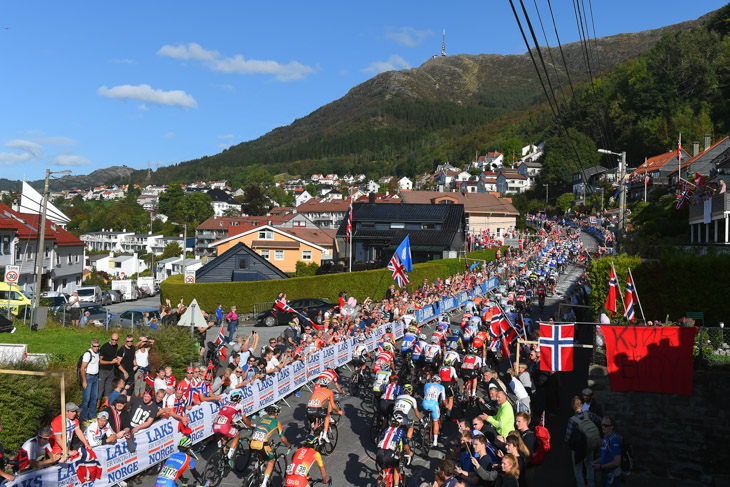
(229, 413)
(171, 381)
(448, 374)
(471, 362)
(439, 334)
(329, 374)
(386, 356)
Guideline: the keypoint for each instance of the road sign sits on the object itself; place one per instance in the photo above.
(12, 273)
(189, 277)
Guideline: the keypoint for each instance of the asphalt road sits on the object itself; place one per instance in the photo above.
(353, 461)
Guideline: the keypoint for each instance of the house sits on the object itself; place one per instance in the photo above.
(213, 229)
(469, 187)
(586, 181)
(405, 183)
(489, 162)
(325, 214)
(482, 212)
(121, 266)
(149, 202)
(283, 247)
(334, 195)
(487, 185)
(378, 229)
(531, 170)
(301, 196)
(222, 202)
(174, 265)
(105, 240)
(705, 162)
(63, 255)
(238, 263)
(509, 181)
(385, 180)
(653, 173)
(217, 185)
(372, 187)
(532, 152)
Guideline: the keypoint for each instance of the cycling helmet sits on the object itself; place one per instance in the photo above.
(434, 339)
(273, 409)
(396, 420)
(393, 377)
(361, 339)
(453, 346)
(387, 346)
(389, 330)
(422, 336)
(236, 396)
(408, 388)
(473, 350)
(310, 440)
(324, 381)
(448, 362)
(413, 329)
(185, 444)
(436, 378)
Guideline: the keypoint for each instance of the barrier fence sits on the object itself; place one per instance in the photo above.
(159, 441)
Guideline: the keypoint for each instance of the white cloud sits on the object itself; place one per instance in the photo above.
(237, 64)
(69, 160)
(143, 107)
(169, 135)
(35, 150)
(394, 62)
(146, 94)
(225, 145)
(227, 136)
(123, 61)
(11, 158)
(408, 36)
(225, 87)
(58, 140)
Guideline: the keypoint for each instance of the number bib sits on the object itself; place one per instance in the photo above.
(258, 435)
(222, 420)
(168, 472)
(293, 469)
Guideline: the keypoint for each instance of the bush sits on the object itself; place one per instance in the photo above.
(174, 347)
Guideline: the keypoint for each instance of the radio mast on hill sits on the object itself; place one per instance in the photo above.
(443, 45)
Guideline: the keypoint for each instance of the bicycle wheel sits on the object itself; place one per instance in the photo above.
(333, 435)
(242, 456)
(376, 428)
(280, 466)
(354, 385)
(426, 439)
(214, 470)
(335, 418)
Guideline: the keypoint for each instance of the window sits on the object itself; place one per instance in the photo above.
(70, 261)
(397, 225)
(47, 252)
(17, 252)
(78, 258)
(266, 235)
(265, 253)
(242, 263)
(306, 255)
(278, 255)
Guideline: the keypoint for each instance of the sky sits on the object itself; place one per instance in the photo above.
(88, 85)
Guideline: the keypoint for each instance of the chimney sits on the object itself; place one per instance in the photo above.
(695, 148)
(371, 198)
(707, 141)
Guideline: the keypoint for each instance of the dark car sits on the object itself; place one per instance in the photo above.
(96, 312)
(135, 317)
(106, 298)
(117, 297)
(315, 310)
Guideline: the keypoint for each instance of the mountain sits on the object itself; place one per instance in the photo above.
(96, 178)
(403, 121)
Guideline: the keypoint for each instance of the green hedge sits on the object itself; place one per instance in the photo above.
(359, 285)
(671, 286)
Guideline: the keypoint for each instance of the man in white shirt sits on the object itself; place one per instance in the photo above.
(523, 399)
(90, 381)
(99, 431)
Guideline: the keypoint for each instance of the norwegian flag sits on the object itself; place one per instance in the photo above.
(221, 337)
(348, 231)
(679, 150)
(613, 292)
(282, 307)
(556, 347)
(88, 468)
(398, 270)
(700, 180)
(682, 199)
(629, 299)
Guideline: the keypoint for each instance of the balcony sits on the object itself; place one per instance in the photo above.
(720, 205)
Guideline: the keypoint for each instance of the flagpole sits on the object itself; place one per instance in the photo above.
(633, 284)
(623, 305)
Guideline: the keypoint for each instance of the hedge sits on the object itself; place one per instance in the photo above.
(671, 286)
(359, 285)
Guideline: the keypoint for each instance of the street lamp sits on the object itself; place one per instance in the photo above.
(184, 247)
(42, 238)
(622, 189)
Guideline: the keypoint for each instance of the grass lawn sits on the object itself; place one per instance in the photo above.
(67, 342)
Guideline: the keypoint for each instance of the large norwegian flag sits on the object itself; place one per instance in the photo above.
(629, 300)
(613, 292)
(398, 270)
(221, 337)
(348, 231)
(556, 347)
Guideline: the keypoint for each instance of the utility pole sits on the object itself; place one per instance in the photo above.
(622, 196)
(184, 246)
(547, 192)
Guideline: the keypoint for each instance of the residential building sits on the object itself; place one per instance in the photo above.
(706, 162)
(238, 263)
(469, 187)
(531, 170)
(121, 266)
(301, 197)
(588, 180)
(487, 185)
(222, 202)
(325, 214)
(509, 181)
(372, 187)
(489, 162)
(218, 185)
(405, 183)
(653, 173)
(105, 240)
(174, 265)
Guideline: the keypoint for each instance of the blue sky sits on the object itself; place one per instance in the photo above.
(87, 85)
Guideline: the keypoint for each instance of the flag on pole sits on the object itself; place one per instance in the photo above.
(404, 254)
(682, 199)
(613, 292)
(349, 222)
(679, 150)
(556, 347)
(221, 337)
(629, 300)
(397, 269)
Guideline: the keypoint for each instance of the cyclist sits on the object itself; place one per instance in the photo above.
(297, 472)
(262, 437)
(387, 398)
(406, 407)
(409, 340)
(388, 337)
(453, 340)
(390, 447)
(360, 354)
(480, 342)
(176, 465)
(229, 419)
(449, 379)
(541, 292)
(321, 404)
(433, 392)
(332, 376)
(418, 356)
(386, 354)
(382, 376)
(433, 354)
(452, 354)
(470, 369)
(470, 330)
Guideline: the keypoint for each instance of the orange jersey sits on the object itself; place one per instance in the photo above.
(321, 398)
(297, 472)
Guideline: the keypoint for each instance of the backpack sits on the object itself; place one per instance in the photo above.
(542, 444)
(589, 430)
(78, 365)
(627, 457)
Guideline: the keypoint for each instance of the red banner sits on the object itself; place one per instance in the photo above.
(651, 359)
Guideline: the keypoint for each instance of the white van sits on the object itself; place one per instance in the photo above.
(89, 294)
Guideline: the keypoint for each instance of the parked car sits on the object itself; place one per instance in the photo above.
(117, 297)
(106, 298)
(135, 317)
(54, 303)
(89, 294)
(315, 310)
(96, 312)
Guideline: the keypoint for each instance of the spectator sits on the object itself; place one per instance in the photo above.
(143, 412)
(71, 424)
(516, 386)
(510, 472)
(583, 438)
(99, 431)
(243, 347)
(291, 334)
(3, 474)
(160, 379)
(515, 447)
(84, 319)
(126, 365)
(237, 378)
(170, 377)
(235, 362)
(200, 334)
(249, 369)
(590, 404)
(90, 380)
(108, 361)
(504, 420)
(522, 422)
(142, 361)
(219, 314)
(118, 384)
(609, 464)
(118, 416)
(484, 473)
(37, 452)
(222, 383)
(445, 474)
(232, 319)
(75, 303)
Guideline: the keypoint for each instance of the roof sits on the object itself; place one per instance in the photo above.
(221, 196)
(531, 164)
(317, 205)
(282, 231)
(26, 227)
(473, 202)
(592, 171)
(657, 162)
(237, 249)
(512, 175)
(703, 154)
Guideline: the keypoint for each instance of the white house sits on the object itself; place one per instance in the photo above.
(223, 202)
(463, 176)
(531, 170)
(372, 187)
(217, 185)
(405, 183)
(174, 265)
(511, 182)
(301, 197)
(105, 240)
(121, 266)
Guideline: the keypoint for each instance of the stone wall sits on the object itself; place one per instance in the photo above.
(674, 436)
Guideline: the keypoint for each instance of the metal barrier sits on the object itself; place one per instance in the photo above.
(261, 307)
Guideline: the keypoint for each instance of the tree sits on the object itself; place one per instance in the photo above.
(564, 202)
(566, 156)
(304, 269)
(171, 250)
(170, 199)
(232, 212)
(255, 201)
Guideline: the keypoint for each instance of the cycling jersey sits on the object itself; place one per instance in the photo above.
(321, 398)
(173, 469)
(385, 357)
(381, 378)
(439, 334)
(228, 414)
(329, 374)
(432, 395)
(408, 341)
(432, 352)
(360, 351)
(453, 355)
(391, 392)
(448, 374)
(263, 435)
(297, 472)
(480, 339)
(394, 439)
(471, 362)
(418, 350)
(406, 405)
